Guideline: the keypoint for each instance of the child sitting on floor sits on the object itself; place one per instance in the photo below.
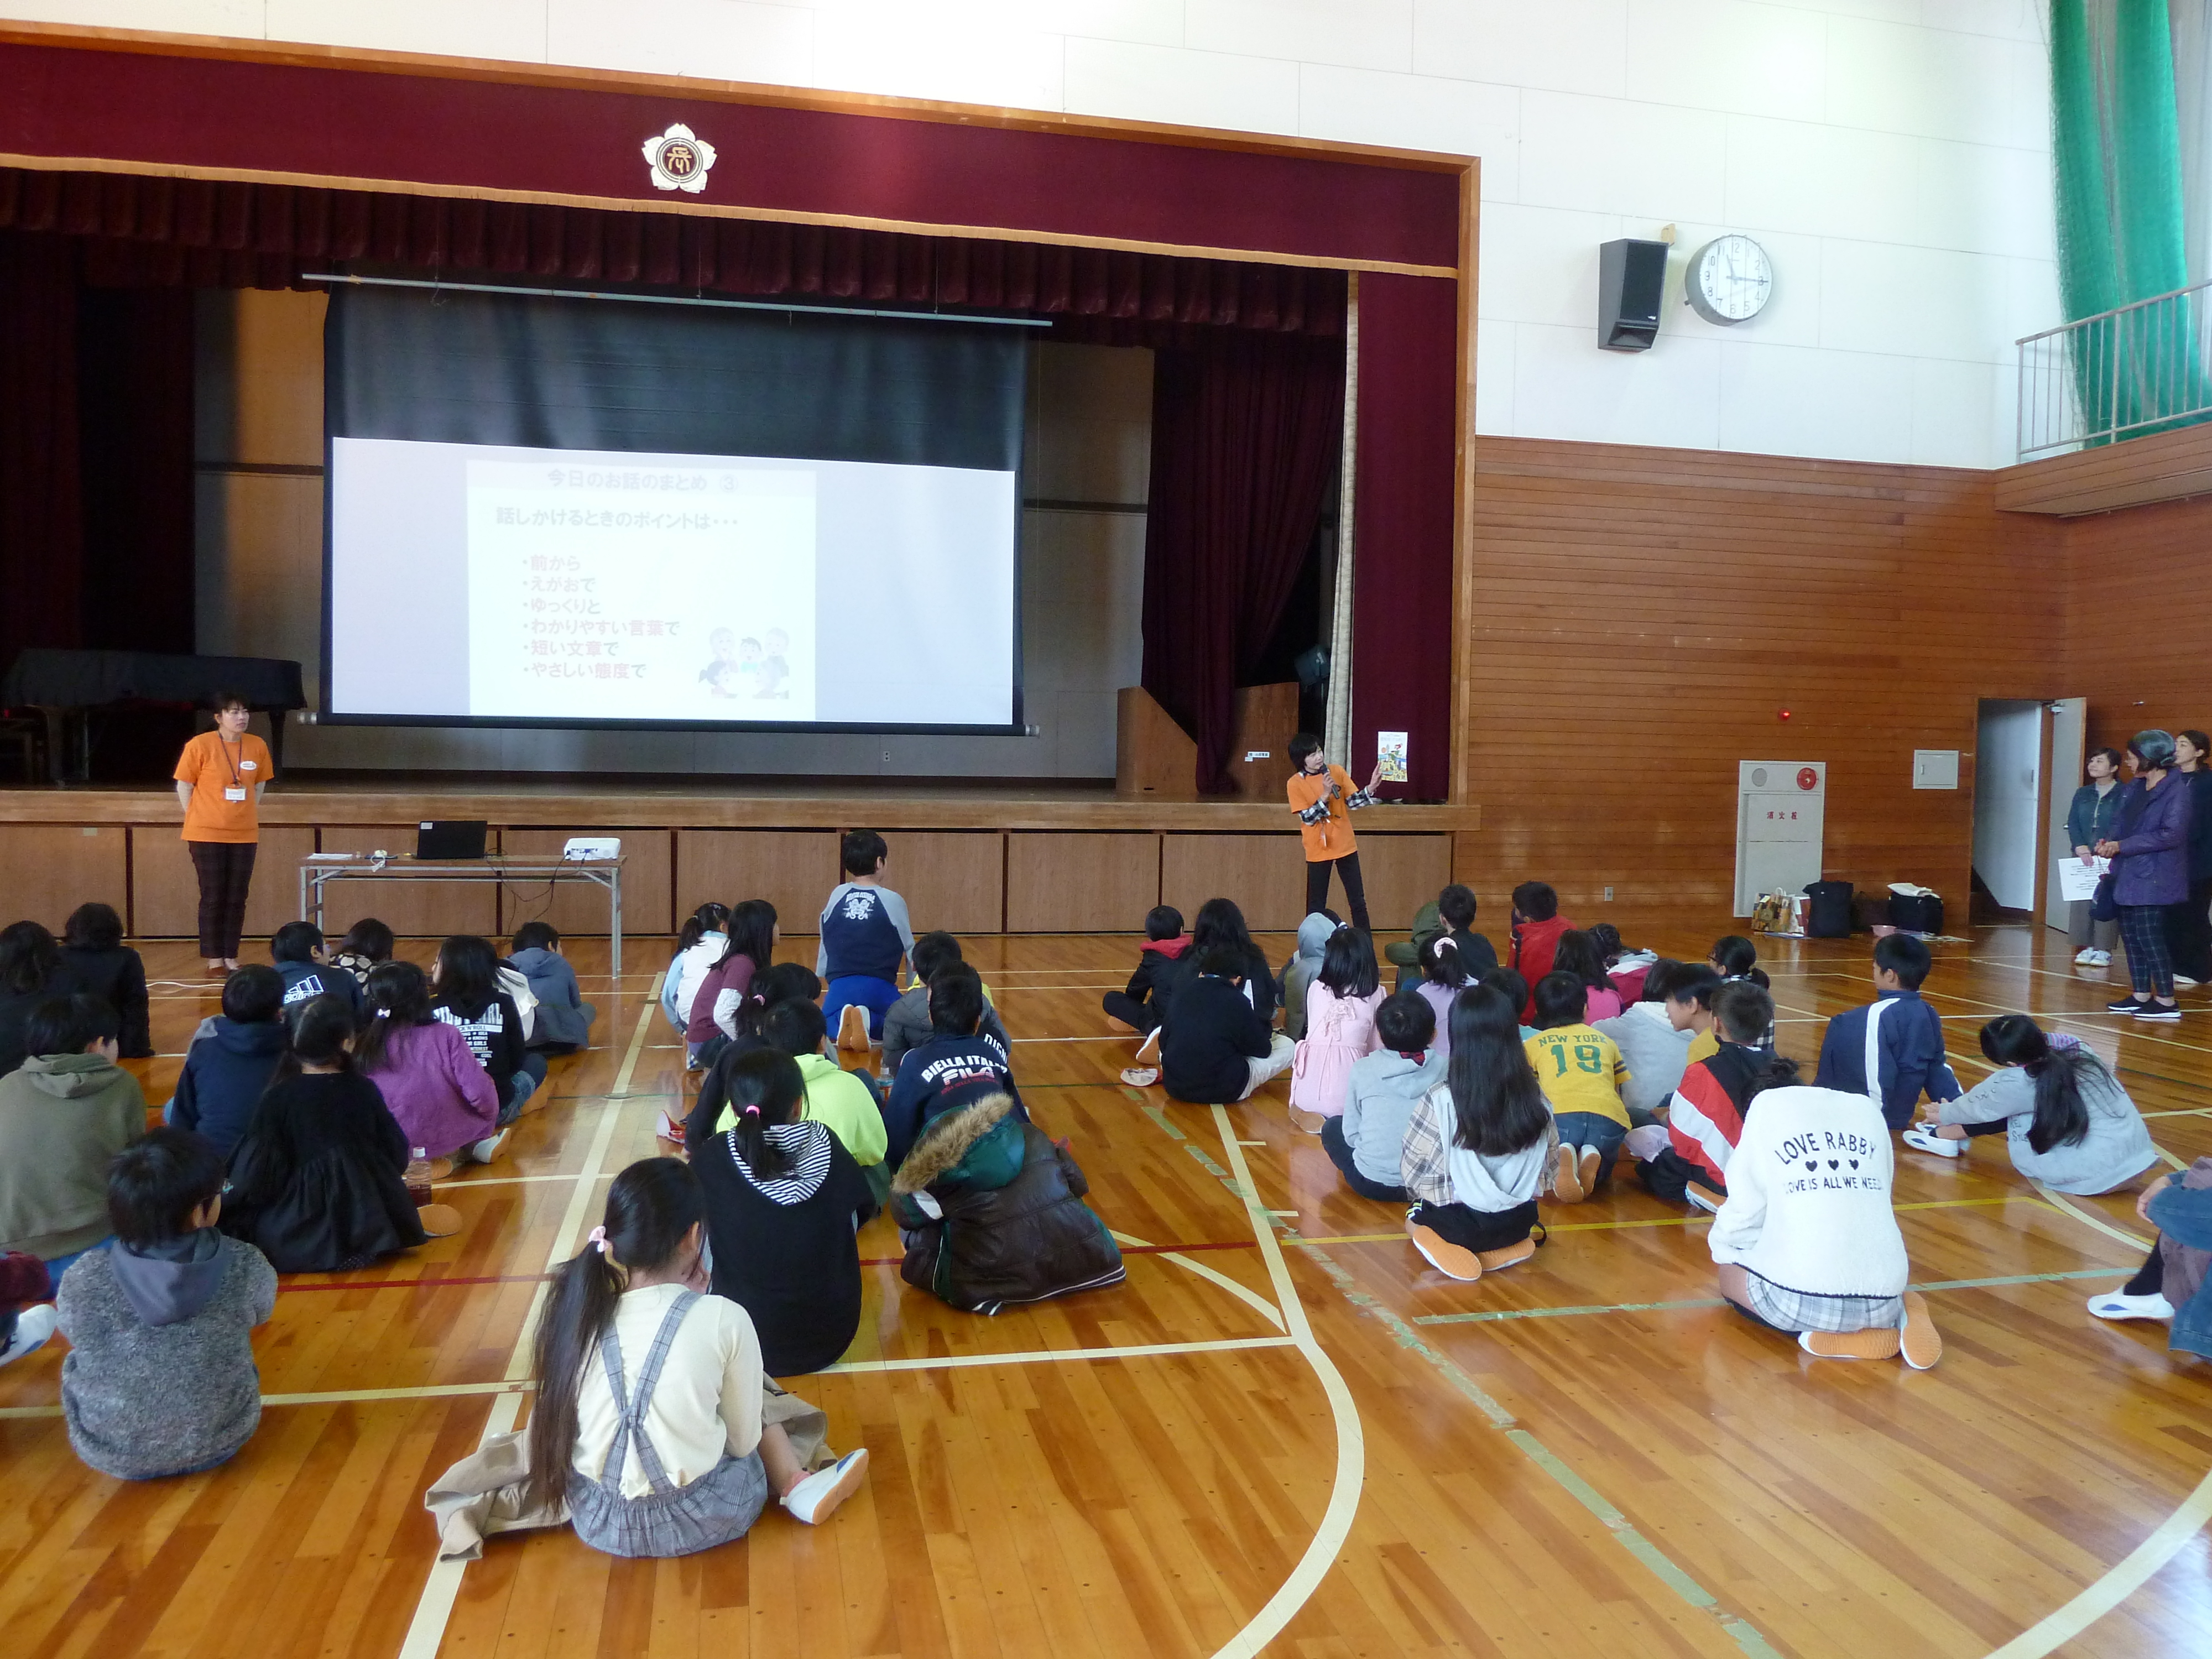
(1217, 1046)
(367, 943)
(1340, 1027)
(959, 1063)
(564, 1018)
(1891, 1049)
(2068, 1122)
(305, 967)
(865, 936)
(1367, 1143)
(431, 1083)
(1654, 1037)
(1303, 969)
(1161, 965)
(1442, 979)
(1704, 1119)
(1477, 1147)
(1537, 925)
(991, 1213)
(1578, 954)
(230, 1060)
(699, 946)
(1581, 1074)
(1806, 1242)
(159, 1378)
(907, 1025)
(748, 949)
(1451, 914)
(466, 980)
(97, 962)
(656, 1425)
(64, 1112)
(1628, 969)
(833, 1096)
(1733, 958)
(318, 1184)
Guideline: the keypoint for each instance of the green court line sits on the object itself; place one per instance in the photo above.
(1717, 1301)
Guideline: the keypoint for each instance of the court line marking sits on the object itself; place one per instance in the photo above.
(1336, 1520)
(2126, 1575)
(1399, 1237)
(1267, 1310)
(434, 1608)
(1494, 1314)
(2058, 1200)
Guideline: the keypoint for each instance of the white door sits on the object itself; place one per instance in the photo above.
(1781, 807)
(2009, 800)
(2069, 724)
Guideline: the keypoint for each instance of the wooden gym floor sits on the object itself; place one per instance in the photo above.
(1283, 1435)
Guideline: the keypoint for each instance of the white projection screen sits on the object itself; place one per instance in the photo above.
(512, 540)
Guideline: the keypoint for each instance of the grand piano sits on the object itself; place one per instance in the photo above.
(71, 688)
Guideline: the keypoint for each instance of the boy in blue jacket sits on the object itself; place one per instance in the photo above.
(865, 936)
(230, 1060)
(298, 951)
(1893, 1049)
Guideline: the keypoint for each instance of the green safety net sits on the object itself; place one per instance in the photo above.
(2116, 152)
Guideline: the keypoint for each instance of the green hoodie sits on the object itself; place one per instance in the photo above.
(62, 1118)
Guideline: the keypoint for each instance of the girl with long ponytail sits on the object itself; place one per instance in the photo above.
(699, 945)
(784, 1199)
(2067, 1121)
(647, 1389)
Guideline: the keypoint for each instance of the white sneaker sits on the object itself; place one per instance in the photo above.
(2086, 957)
(487, 1149)
(2118, 1304)
(1923, 1139)
(1701, 1199)
(33, 1327)
(2100, 959)
(813, 1499)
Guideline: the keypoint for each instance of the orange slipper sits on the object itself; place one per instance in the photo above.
(1447, 1258)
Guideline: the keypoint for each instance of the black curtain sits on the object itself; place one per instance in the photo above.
(1247, 430)
(41, 529)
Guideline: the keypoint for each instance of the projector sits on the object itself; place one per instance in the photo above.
(586, 849)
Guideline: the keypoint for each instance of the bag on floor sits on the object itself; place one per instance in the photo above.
(1917, 913)
(1828, 915)
(1772, 914)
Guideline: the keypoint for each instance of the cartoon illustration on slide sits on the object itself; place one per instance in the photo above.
(718, 674)
(775, 667)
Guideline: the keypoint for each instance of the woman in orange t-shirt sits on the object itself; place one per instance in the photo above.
(220, 778)
(1324, 798)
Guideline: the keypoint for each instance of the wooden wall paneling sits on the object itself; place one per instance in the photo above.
(580, 907)
(412, 909)
(52, 868)
(1154, 759)
(2140, 610)
(165, 892)
(955, 880)
(1641, 616)
(1266, 719)
(1401, 873)
(1266, 875)
(1077, 883)
(791, 869)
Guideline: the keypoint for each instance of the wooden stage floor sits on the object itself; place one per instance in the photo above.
(1283, 1435)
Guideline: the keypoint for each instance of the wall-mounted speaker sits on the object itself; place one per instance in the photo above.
(1630, 276)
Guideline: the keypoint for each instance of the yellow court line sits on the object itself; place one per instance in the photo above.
(1243, 1293)
(2058, 1200)
(1336, 1520)
(1054, 1356)
(1655, 1221)
(2120, 1581)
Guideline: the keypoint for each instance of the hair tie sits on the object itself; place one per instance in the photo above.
(597, 1235)
(384, 1013)
(751, 1111)
(2063, 1040)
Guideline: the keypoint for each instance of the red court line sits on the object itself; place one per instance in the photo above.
(532, 1279)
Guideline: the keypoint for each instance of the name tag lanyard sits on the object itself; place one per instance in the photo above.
(236, 791)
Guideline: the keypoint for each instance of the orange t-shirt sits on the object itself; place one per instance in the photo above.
(1331, 839)
(212, 766)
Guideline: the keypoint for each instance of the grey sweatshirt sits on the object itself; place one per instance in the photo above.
(906, 1025)
(2116, 1149)
(1300, 972)
(1385, 1088)
(1655, 1052)
(160, 1377)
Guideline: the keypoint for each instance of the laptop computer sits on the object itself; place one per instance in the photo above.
(450, 838)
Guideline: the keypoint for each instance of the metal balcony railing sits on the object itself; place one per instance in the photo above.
(2143, 368)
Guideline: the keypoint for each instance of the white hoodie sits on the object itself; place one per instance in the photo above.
(1810, 1195)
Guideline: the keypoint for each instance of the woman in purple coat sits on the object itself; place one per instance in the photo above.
(2150, 871)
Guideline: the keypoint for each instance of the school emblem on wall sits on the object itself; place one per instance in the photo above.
(679, 159)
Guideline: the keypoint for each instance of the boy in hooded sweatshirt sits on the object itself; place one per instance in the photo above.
(1368, 1142)
(232, 1058)
(1303, 966)
(64, 1112)
(160, 1379)
(992, 1215)
(1161, 965)
(907, 1025)
(564, 1018)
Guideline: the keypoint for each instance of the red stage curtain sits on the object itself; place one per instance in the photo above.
(142, 231)
(1402, 527)
(41, 534)
(1247, 433)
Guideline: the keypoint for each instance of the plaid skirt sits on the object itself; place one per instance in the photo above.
(1786, 1309)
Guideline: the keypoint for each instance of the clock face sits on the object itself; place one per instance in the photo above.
(1731, 279)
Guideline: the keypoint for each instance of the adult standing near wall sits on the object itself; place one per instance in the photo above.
(220, 778)
(2188, 924)
(2088, 821)
(1323, 797)
(2149, 853)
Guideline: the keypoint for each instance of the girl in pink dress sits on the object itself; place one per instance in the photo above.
(1340, 1027)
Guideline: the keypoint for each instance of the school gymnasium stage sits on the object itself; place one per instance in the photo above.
(1284, 1434)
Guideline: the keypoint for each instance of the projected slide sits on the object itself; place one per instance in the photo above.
(499, 583)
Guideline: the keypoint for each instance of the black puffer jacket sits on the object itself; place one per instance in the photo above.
(992, 1213)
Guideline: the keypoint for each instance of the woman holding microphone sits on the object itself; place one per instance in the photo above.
(1323, 797)
(220, 778)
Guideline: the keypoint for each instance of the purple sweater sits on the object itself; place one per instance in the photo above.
(440, 1096)
(2153, 864)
